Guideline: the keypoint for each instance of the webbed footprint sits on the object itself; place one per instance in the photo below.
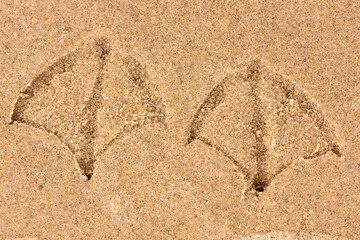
(262, 123)
(85, 103)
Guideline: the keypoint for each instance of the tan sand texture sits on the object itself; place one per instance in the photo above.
(179, 120)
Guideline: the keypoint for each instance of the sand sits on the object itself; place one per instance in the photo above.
(175, 120)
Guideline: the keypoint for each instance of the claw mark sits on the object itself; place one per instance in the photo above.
(67, 98)
(262, 123)
(138, 75)
(333, 147)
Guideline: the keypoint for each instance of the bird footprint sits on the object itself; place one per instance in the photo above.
(262, 123)
(90, 98)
